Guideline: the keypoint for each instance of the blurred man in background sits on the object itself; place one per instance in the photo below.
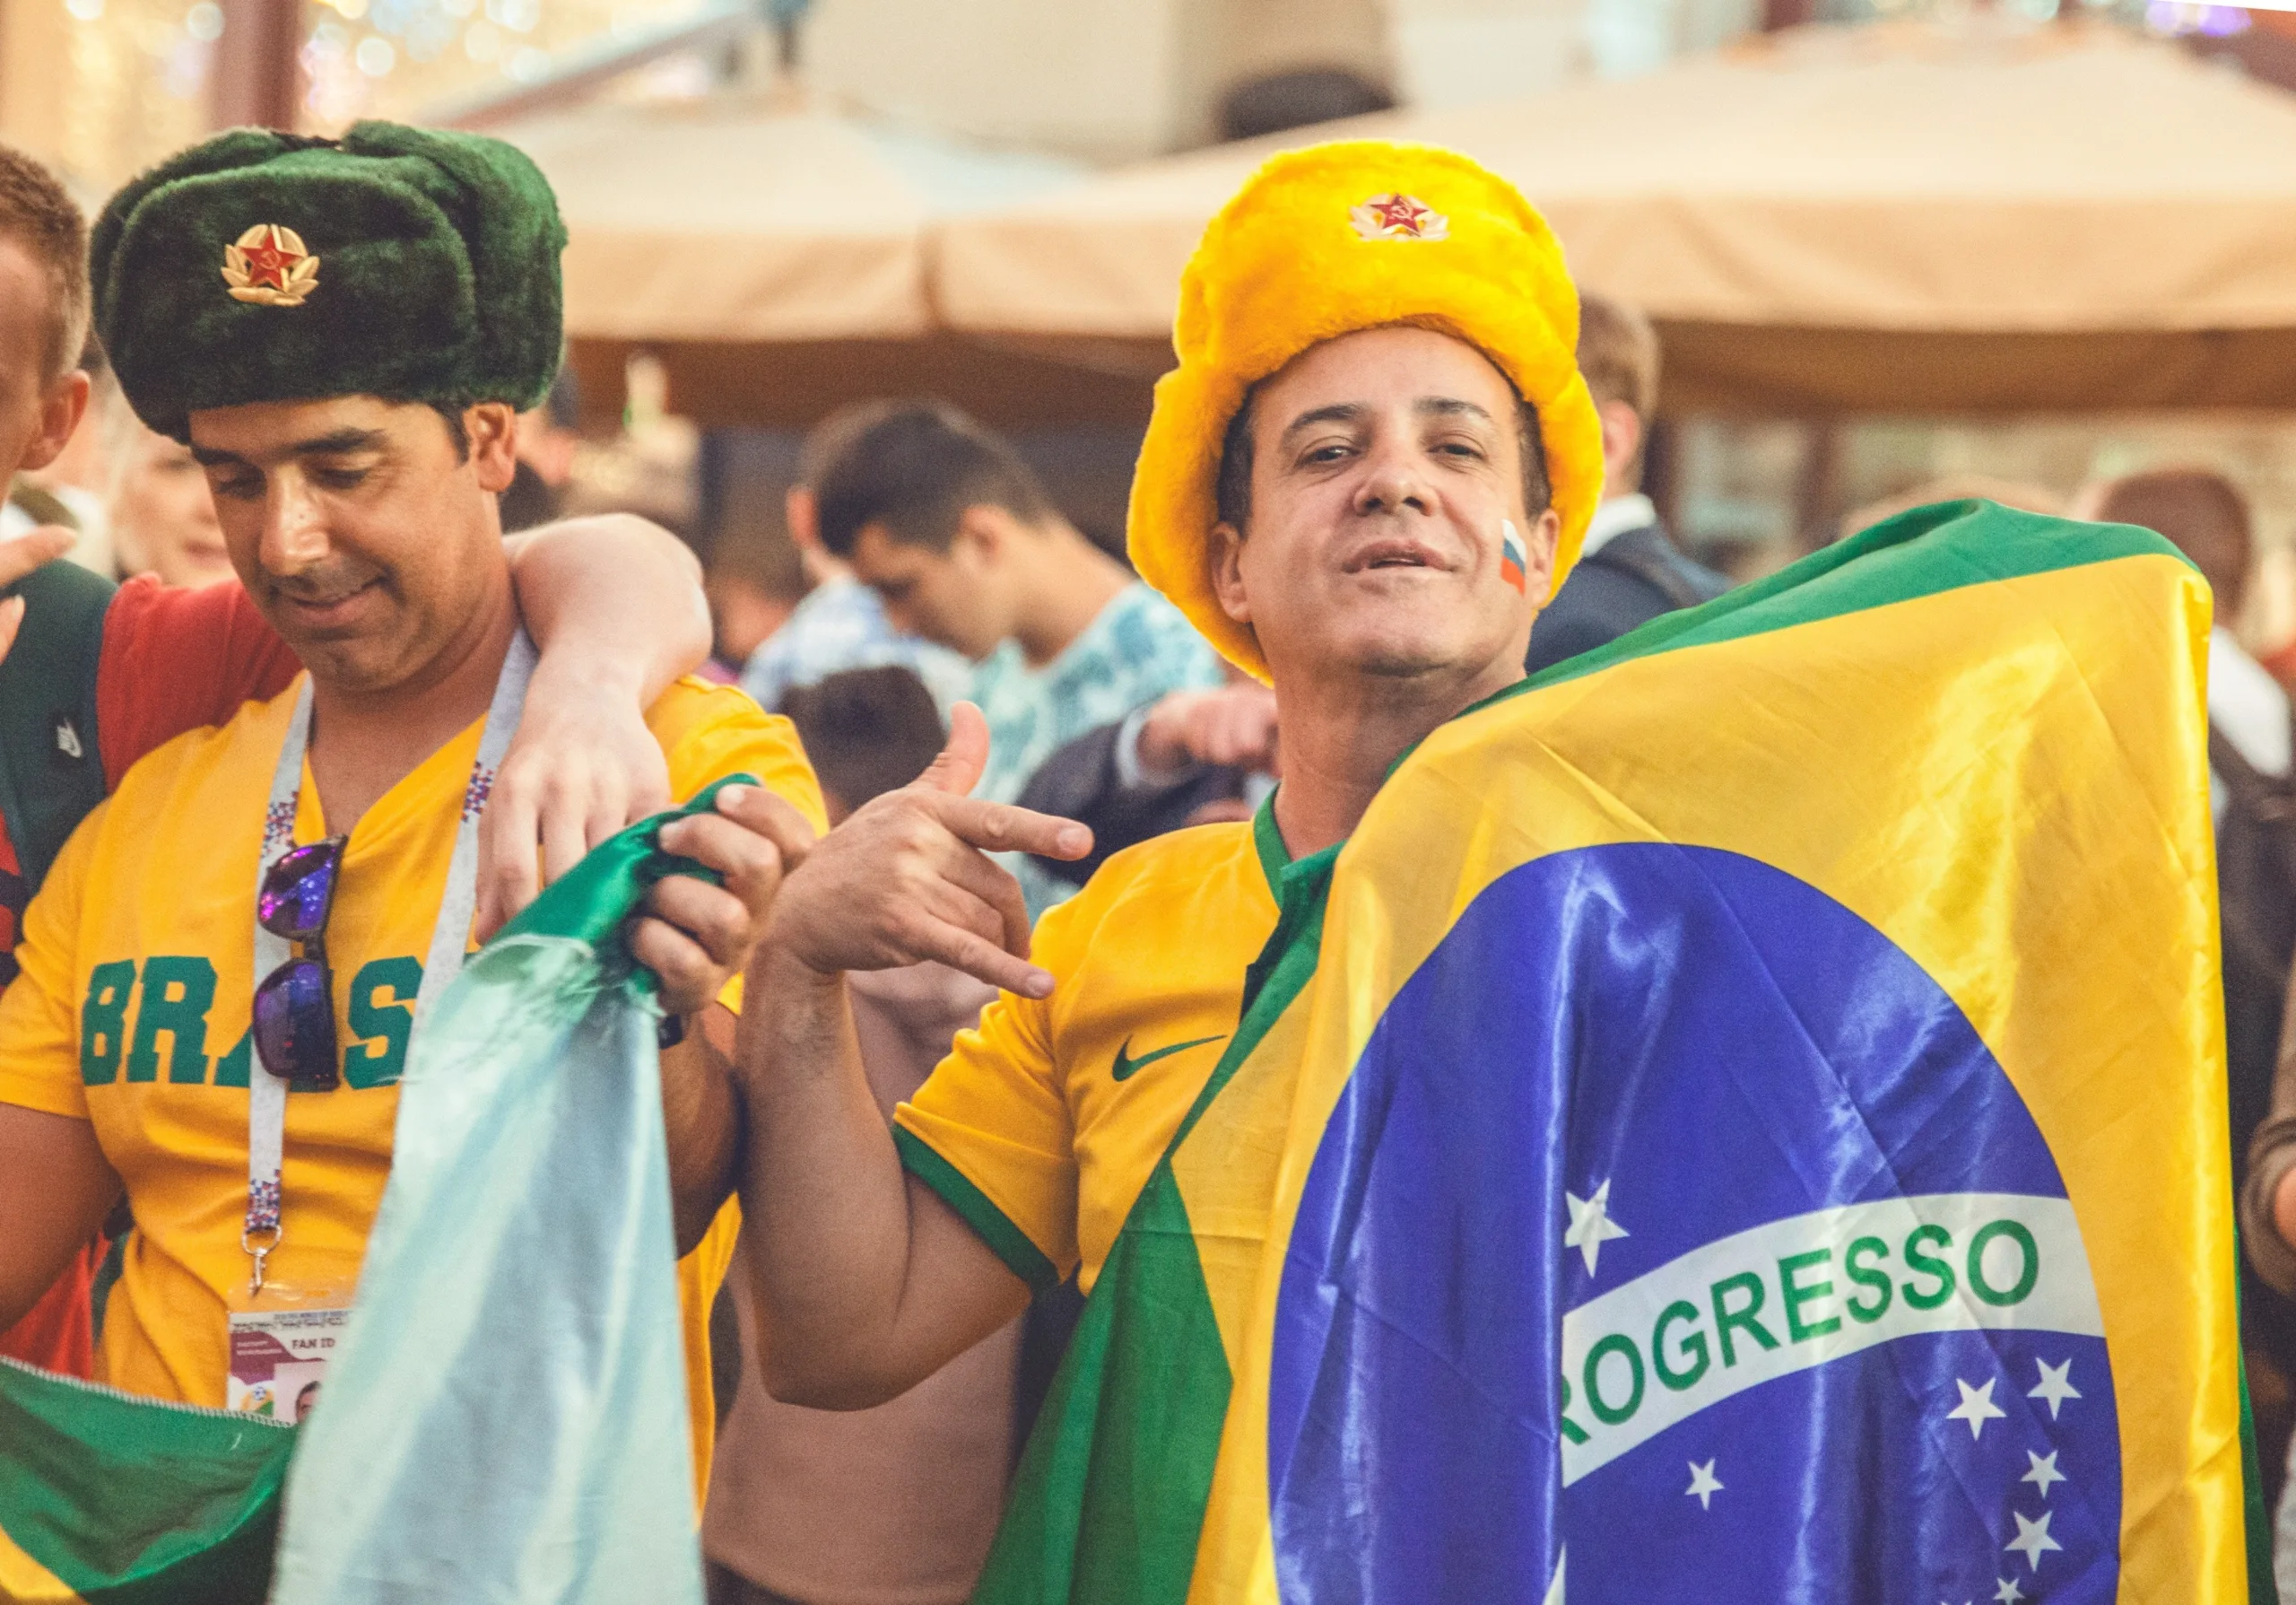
(839, 624)
(964, 547)
(162, 520)
(754, 588)
(894, 1505)
(1630, 570)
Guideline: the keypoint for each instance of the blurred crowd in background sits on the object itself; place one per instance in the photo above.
(875, 554)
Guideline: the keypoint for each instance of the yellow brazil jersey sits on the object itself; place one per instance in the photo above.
(1041, 1127)
(132, 1013)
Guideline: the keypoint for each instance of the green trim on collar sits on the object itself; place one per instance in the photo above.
(991, 1224)
(1274, 858)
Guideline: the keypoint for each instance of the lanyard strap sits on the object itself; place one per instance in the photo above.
(267, 1093)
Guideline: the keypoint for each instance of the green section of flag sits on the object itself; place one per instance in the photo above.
(1110, 1495)
(1110, 1500)
(1977, 543)
(132, 1502)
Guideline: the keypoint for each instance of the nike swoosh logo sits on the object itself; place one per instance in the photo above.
(1126, 1064)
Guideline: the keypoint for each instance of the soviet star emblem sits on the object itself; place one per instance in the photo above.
(269, 267)
(1398, 217)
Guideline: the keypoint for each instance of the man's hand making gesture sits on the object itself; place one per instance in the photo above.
(908, 877)
(875, 1281)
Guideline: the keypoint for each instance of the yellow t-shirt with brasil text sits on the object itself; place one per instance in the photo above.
(132, 1013)
(1041, 1126)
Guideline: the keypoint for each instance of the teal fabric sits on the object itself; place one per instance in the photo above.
(506, 1421)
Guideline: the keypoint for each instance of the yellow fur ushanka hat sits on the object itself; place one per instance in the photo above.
(1324, 241)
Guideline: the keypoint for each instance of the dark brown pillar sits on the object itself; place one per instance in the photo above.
(258, 76)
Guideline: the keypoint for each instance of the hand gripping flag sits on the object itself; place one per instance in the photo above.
(506, 1421)
(1743, 1120)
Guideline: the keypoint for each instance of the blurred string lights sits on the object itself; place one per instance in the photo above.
(356, 48)
(2170, 18)
(2178, 17)
(137, 73)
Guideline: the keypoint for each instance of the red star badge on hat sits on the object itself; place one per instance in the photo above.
(269, 267)
(1398, 217)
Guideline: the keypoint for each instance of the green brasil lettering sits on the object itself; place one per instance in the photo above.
(171, 996)
(382, 1017)
(103, 1021)
(176, 995)
(1678, 1350)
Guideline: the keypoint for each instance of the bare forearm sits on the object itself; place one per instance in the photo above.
(867, 1283)
(614, 597)
(701, 1117)
(54, 1189)
(822, 1191)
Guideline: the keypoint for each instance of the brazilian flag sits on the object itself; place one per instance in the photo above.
(1743, 1119)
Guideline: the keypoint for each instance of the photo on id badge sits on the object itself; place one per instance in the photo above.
(279, 1359)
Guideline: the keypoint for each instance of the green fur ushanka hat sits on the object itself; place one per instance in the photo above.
(411, 264)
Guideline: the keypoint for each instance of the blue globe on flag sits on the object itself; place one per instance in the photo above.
(1677, 1237)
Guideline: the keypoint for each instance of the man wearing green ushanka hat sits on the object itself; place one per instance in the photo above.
(345, 331)
(404, 264)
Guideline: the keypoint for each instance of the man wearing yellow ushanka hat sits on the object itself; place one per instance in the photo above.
(1374, 462)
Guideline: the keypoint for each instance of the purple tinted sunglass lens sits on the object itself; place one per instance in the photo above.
(299, 890)
(294, 1025)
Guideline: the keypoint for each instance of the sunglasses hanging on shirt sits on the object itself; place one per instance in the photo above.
(294, 1006)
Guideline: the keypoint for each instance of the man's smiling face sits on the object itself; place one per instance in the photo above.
(359, 529)
(1387, 485)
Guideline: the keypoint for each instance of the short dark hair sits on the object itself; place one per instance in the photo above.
(1299, 97)
(867, 731)
(914, 470)
(2199, 512)
(452, 411)
(38, 214)
(1231, 489)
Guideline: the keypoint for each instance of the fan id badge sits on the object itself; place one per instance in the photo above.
(279, 1358)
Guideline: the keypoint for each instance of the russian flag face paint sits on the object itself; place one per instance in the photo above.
(1513, 561)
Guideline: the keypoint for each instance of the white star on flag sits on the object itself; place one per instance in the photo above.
(2053, 1390)
(1977, 1408)
(2033, 1539)
(1703, 1484)
(2044, 1474)
(2008, 1593)
(1591, 1224)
